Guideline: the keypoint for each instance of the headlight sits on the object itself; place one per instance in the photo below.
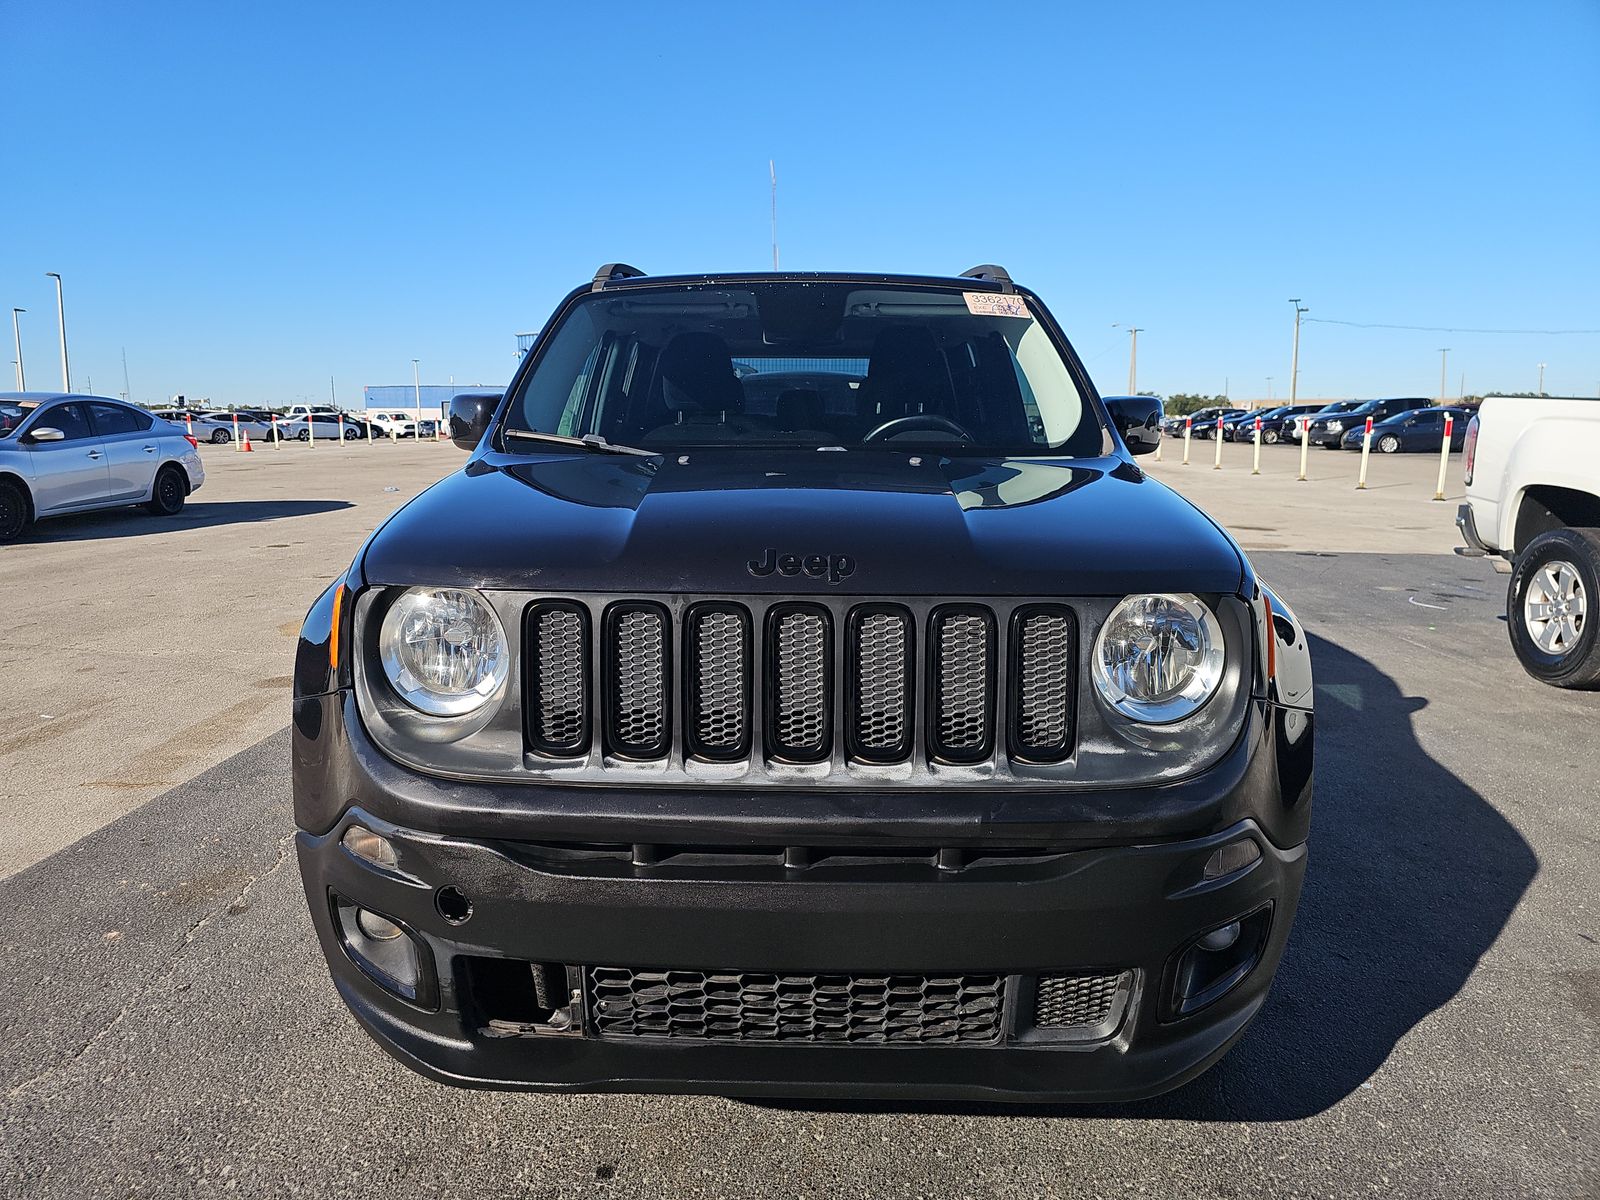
(1158, 658)
(1335, 426)
(443, 650)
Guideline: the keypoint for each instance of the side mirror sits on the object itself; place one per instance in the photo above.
(46, 433)
(1138, 420)
(470, 414)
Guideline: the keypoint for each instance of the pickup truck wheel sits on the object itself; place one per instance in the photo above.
(1552, 608)
(1388, 444)
(14, 514)
(166, 499)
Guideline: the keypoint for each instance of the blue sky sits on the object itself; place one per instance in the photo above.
(254, 198)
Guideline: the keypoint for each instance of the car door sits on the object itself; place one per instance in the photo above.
(70, 473)
(132, 449)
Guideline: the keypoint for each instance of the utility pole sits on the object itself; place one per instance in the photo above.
(1294, 363)
(61, 318)
(1541, 379)
(1133, 355)
(127, 388)
(1269, 391)
(1444, 357)
(416, 382)
(16, 332)
(772, 170)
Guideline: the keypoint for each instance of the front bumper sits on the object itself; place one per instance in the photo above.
(1127, 909)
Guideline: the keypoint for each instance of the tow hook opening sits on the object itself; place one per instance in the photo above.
(511, 997)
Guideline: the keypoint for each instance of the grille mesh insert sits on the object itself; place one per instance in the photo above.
(734, 1006)
(560, 705)
(800, 668)
(639, 687)
(1046, 670)
(1075, 1001)
(720, 700)
(963, 678)
(882, 722)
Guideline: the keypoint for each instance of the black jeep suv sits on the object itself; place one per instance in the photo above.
(801, 691)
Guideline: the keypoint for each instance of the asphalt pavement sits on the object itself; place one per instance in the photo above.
(1434, 1030)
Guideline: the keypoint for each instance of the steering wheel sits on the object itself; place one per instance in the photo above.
(916, 421)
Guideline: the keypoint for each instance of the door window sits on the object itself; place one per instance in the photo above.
(69, 418)
(112, 419)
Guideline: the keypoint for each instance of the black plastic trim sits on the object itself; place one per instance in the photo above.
(691, 699)
(776, 747)
(530, 704)
(1015, 746)
(852, 698)
(936, 748)
(608, 673)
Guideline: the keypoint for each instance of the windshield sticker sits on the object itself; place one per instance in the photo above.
(996, 304)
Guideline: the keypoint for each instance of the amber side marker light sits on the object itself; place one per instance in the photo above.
(1266, 600)
(333, 634)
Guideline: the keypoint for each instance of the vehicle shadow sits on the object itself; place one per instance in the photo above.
(1412, 876)
(135, 522)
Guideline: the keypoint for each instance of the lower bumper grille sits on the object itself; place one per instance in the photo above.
(1077, 1001)
(755, 1007)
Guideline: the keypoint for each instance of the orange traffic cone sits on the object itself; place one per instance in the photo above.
(247, 448)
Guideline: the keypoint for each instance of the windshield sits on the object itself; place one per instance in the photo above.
(809, 365)
(13, 413)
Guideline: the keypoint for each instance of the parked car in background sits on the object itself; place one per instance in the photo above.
(1533, 502)
(1206, 429)
(62, 453)
(1196, 420)
(1289, 426)
(1241, 426)
(220, 426)
(392, 422)
(1328, 430)
(1420, 429)
(329, 425)
(1284, 422)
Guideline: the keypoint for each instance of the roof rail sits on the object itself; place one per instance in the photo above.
(991, 273)
(614, 271)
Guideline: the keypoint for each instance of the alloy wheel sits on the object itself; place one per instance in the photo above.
(1555, 607)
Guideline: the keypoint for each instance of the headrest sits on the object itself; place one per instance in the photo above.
(696, 373)
(907, 374)
(799, 408)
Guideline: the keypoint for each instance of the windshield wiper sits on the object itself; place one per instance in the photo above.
(591, 442)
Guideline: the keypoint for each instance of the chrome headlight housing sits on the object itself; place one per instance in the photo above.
(443, 650)
(1158, 658)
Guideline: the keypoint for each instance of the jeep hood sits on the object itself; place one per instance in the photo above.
(908, 524)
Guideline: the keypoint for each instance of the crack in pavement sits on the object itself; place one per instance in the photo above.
(235, 905)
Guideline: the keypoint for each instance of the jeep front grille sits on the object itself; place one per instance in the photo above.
(799, 689)
(751, 1006)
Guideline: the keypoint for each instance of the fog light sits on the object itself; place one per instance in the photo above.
(1235, 856)
(373, 847)
(1215, 963)
(380, 929)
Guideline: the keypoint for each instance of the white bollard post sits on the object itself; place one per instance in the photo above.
(1305, 443)
(1256, 467)
(1188, 423)
(1217, 465)
(1366, 452)
(1161, 436)
(188, 423)
(274, 418)
(1444, 456)
(311, 432)
(369, 430)
(234, 413)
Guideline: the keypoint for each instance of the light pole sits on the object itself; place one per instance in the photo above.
(61, 318)
(416, 383)
(1294, 362)
(1269, 391)
(1444, 357)
(1541, 379)
(16, 332)
(1133, 355)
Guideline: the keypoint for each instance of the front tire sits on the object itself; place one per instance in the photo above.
(1551, 608)
(351, 435)
(15, 513)
(1269, 436)
(169, 493)
(304, 435)
(220, 437)
(1388, 444)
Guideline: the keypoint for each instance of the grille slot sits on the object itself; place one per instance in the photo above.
(1044, 672)
(800, 683)
(743, 1006)
(962, 728)
(879, 683)
(718, 653)
(1077, 1001)
(557, 637)
(636, 645)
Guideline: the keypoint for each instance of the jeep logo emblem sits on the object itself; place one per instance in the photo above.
(832, 567)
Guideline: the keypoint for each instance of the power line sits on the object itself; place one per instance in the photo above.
(1446, 328)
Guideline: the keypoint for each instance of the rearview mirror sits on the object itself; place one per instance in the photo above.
(1138, 420)
(46, 433)
(470, 414)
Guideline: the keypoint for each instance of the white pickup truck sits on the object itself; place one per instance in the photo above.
(1533, 500)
